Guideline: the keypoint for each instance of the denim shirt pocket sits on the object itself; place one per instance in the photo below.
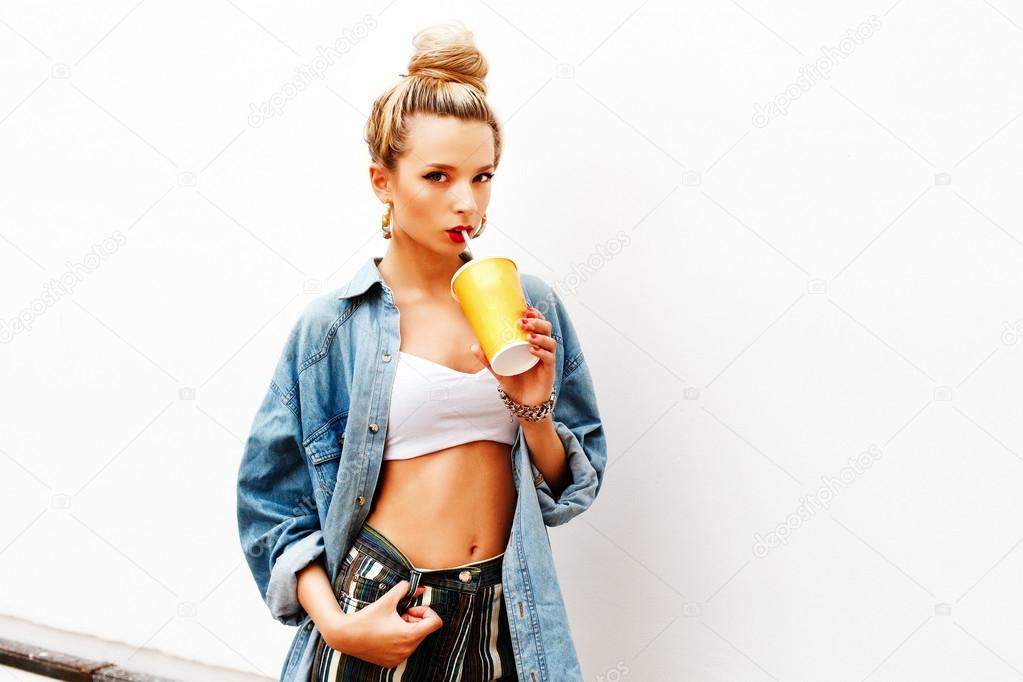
(324, 448)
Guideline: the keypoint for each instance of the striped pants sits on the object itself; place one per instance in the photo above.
(473, 645)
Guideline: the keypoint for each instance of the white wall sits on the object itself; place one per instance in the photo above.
(773, 294)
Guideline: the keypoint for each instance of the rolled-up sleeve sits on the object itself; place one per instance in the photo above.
(278, 523)
(577, 421)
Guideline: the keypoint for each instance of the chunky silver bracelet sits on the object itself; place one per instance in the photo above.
(531, 413)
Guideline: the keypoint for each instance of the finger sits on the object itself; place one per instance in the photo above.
(545, 356)
(542, 340)
(398, 592)
(538, 325)
(430, 621)
(427, 618)
(419, 591)
(533, 312)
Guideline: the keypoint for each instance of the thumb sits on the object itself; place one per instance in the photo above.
(398, 592)
(480, 355)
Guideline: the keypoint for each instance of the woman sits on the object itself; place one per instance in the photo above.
(414, 587)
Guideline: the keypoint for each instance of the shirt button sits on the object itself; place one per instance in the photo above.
(465, 576)
(309, 626)
(387, 357)
(373, 427)
(360, 500)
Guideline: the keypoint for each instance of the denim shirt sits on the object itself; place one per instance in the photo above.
(313, 456)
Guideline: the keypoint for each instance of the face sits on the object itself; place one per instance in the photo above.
(441, 182)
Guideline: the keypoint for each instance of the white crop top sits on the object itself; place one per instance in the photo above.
(435, 407)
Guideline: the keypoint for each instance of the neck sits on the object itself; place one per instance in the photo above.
(409, 268)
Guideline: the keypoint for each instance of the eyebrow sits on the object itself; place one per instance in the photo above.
(447, 167)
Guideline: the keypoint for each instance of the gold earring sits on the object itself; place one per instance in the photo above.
(385, 223)
(483, 226)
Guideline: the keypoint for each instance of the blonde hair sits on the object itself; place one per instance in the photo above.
(445, 77)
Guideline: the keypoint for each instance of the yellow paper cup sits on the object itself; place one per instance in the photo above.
(490, 293)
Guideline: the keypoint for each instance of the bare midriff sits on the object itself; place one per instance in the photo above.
(447, 508)
(453, 506)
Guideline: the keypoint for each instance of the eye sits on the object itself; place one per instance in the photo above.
(488, 176)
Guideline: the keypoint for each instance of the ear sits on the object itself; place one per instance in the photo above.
(380, 181)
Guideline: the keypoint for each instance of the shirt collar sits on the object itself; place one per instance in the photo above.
(367, 275)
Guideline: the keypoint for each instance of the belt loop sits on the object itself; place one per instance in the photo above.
(413, 585)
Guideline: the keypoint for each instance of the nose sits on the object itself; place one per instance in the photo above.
(465, 202)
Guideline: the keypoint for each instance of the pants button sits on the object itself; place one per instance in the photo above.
(465, 576)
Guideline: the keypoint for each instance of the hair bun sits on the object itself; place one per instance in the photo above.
(448, 52)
